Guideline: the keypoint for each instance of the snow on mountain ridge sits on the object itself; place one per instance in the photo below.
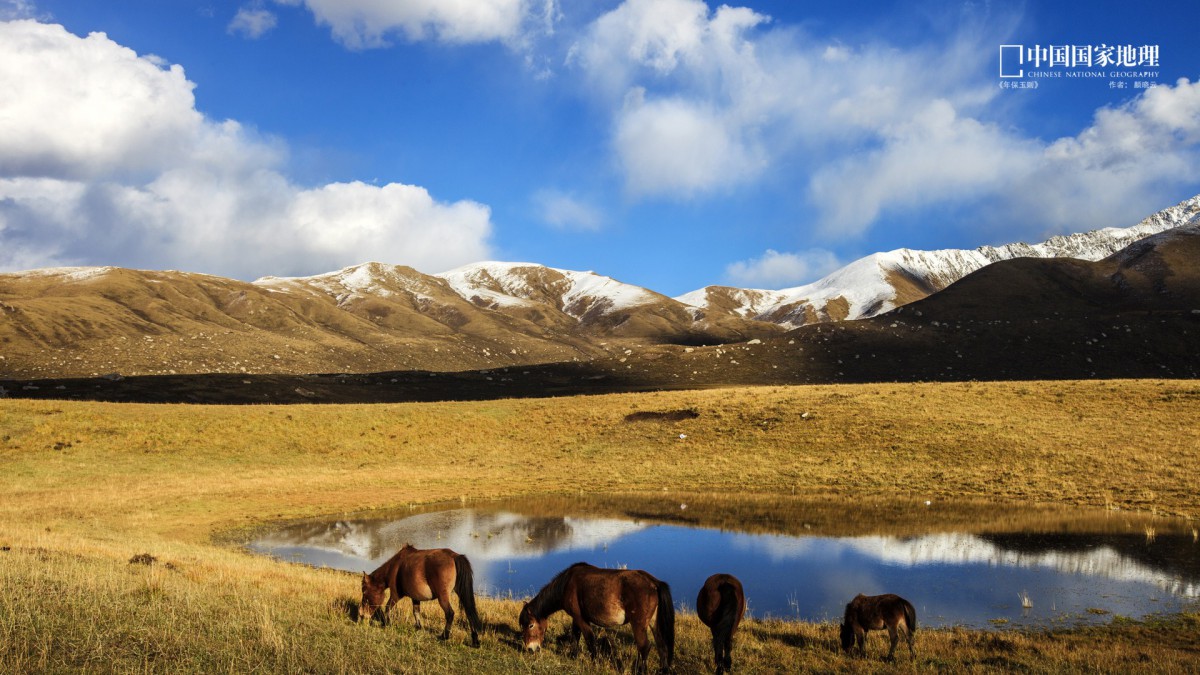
(369, 279)
(504, 284)
(751, 302)
(71, 273)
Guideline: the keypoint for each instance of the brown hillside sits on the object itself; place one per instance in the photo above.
(81, 322)
(85, 322)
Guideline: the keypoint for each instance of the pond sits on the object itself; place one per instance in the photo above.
(967, 564)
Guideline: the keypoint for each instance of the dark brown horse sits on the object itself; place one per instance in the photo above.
(422, 575)
(875, 612)
(608, 598)
(721, 604)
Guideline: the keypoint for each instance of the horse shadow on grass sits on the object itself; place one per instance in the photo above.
(351, 609)
(608, 646)
(782, 634)
(347, 607)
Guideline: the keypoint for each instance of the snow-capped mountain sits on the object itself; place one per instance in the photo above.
(522, 297)
(376, 317)
(883, 281)
(487, 285)
(580, 295)
(370, 279)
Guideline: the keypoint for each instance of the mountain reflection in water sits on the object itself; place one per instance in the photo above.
(479, 535)
(953, 578)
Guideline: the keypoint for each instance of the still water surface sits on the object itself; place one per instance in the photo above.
(954, 577)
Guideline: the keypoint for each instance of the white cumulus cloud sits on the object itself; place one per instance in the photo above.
(674, 146)
(933, 157)
(252, 22)
(708, 100)
(776, 270)
(704, 101)
(677, 141)
(655, 35)
(87, 107)
(105, 160)
(365, 24)
(1132, 158)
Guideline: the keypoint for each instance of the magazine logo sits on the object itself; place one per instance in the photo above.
(1020, 61)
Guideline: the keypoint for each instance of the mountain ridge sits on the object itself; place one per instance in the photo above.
(374, 317)
(882, 281)
(1135, 314)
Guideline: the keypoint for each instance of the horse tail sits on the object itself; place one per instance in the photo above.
(726, 614)
(666, 621)
(910, 617)
(464, 586)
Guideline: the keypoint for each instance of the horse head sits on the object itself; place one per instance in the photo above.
(533, 629)
(372, 597)
(847, 636)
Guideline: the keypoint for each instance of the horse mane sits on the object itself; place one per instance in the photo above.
(380, 575)
(550, 598)
(851, 614)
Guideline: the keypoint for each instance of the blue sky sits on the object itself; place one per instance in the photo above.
(670, 144)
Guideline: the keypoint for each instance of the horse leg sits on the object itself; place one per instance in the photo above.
(661, 646)
(895, 637)
(720, 652)
(572, 639)
(727, 652)
(607, 650)
(417, 612)
(908, 637)
(860, 637)
(589, 635)
(387, 609)
(642, 640)
(448, 609)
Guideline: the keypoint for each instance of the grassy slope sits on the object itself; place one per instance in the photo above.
(86, 486)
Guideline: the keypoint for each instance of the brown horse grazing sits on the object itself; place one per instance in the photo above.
(608, 598)
(721, 604)
(874, 612)
(422, 575)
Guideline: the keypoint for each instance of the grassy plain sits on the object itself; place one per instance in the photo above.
(87, 486)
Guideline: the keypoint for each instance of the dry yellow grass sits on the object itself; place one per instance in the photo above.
(86, 486)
